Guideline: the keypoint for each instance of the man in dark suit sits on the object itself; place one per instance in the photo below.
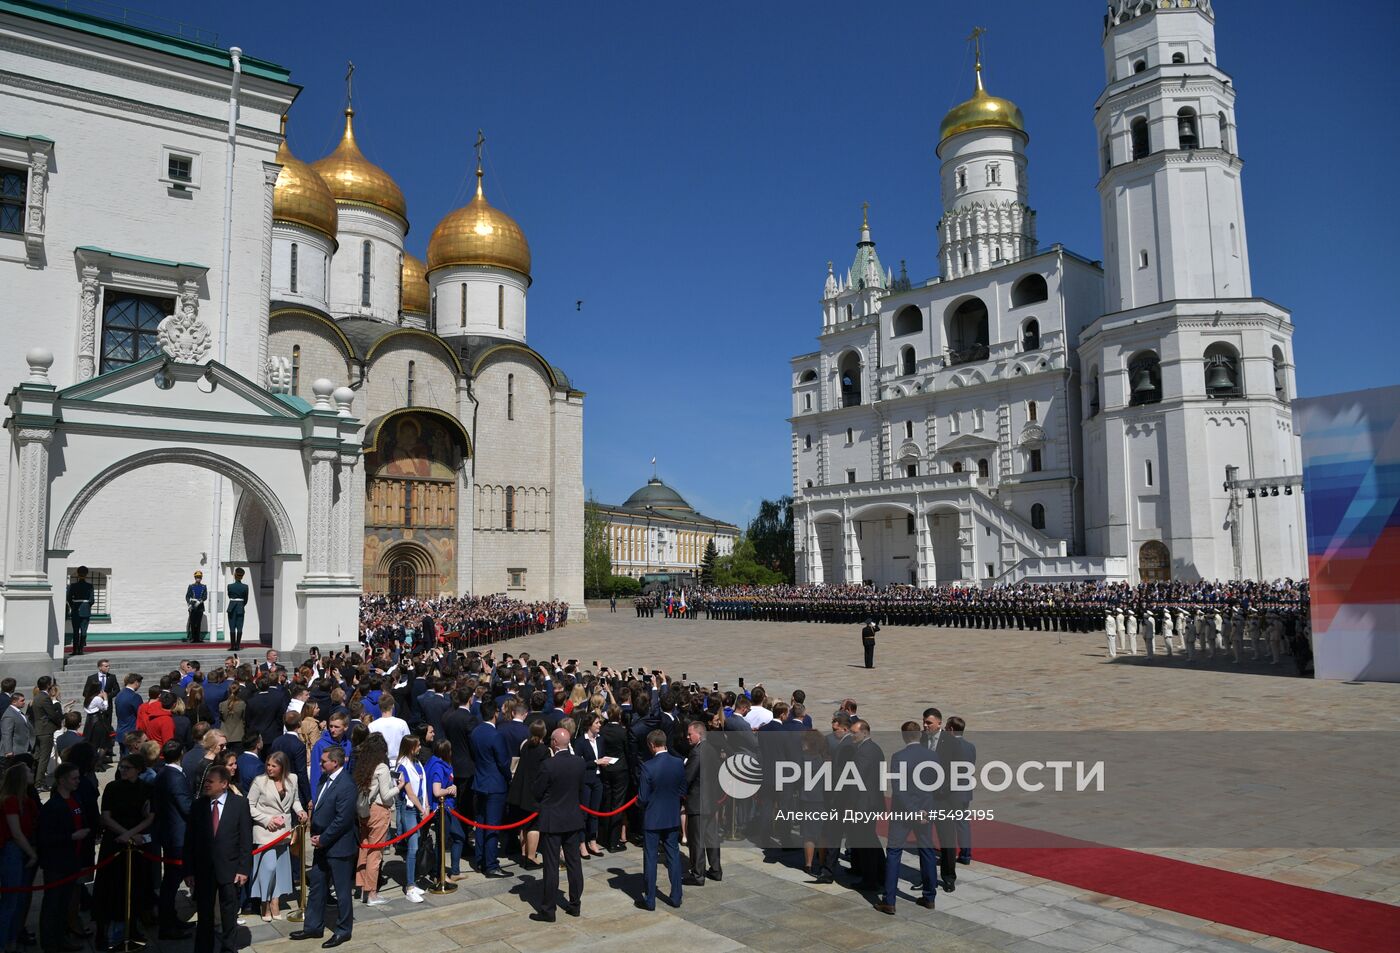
(220, 834)
(126, 705)
(701, 800)
(433, 705)
(867, 857)
(912, 767)
(457, 727)
(103, 679)
(67, 829)
(489, 783)
(265, 710)
(334, 834)
(172, 807)
(841, 744)
(867, 640)
(291, 745)
(663, 785)
(558, 792)
(961, 800)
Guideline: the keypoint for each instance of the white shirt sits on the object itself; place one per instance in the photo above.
(394, 730)
(296, 704)
(758, 716)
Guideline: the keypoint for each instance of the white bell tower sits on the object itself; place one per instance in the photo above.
(1173, 212)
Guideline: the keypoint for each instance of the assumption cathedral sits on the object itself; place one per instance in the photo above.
(218, 355)
(1035, 414)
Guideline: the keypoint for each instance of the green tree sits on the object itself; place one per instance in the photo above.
(624, 586)
(771, 534)
(597, 555)
(742, 568)
(708, 563)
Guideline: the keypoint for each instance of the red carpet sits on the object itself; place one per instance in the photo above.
(1317, 918)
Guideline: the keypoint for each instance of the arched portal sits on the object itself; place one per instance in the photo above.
(1154, 562)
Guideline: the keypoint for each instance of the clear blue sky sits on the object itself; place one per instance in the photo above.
(688, 169)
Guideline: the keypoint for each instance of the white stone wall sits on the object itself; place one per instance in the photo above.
(385, 233)
(313, 260)
(494, 298)
(386, 378)
(322, 352)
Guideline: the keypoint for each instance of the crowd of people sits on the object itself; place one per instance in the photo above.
(454, 621)
(398, 747)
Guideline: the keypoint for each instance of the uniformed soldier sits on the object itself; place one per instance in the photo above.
(867, 641)
(79, 598)
(196, 595)
(1167, 630)
(237, 603)
(1110, 628)
(1149, 631)
(1131, 621)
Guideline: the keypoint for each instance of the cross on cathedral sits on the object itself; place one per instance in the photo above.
(349, 83)
(478, 146)
(975, 38)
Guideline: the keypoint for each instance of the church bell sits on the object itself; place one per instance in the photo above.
(1142, 382)
(1219, 377)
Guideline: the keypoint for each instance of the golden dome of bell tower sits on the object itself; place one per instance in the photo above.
(983, 110)
(479, 234)
(355, 180)
(300, 196)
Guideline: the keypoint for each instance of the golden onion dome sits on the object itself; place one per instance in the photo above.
(414, 296)
(478, 234)
(982, 111)
(355, 180)
(300, 196)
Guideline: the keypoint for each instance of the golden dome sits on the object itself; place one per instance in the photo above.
(300, 195)
(413, 292)
(981, 111)
(477, 234)
(355, 180)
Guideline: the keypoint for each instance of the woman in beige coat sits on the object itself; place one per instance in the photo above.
(231, 710)
(274, 804)
(378, 797)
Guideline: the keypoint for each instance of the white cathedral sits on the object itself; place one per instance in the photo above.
(219, 356)
(1033, 414)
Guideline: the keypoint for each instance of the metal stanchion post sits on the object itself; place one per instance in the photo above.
(128, 944)
(443, 885)
(299, 914)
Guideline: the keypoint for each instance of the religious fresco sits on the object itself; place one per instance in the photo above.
(432, 554)
(417, 447)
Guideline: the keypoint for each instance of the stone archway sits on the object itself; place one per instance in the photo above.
(406, 570)
(1154, 562)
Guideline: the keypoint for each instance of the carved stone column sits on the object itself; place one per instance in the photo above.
(87, 323)
(320, 528)
(32, 509)
(815, 570)
(855, 573)
(346, 538)
(928, 570)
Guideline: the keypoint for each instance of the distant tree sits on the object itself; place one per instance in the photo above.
(771, 535)
(597, 554)
(624, 586)
(708, 563)
(741, 568)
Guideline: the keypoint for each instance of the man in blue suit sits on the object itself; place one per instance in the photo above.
(172, 808)
(126, 703)
(490, 783)
(334, 834)
(916, 769)
(662, 787)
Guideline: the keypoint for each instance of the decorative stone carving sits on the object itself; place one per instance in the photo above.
(1032, 435)
(38, 192)
(184, 336)
(32, 502)
(87, 323)
(279, 375)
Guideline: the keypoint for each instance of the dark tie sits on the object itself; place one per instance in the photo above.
(216, 818)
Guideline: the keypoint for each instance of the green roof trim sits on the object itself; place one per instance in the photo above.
(295, 402)
(144, 259)
(148, 39)
(20, 135)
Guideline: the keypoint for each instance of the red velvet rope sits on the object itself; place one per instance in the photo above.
(62, 880)
(611, 813)
(406, 834)
(494, 827)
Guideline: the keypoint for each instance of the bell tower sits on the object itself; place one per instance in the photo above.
(1187, 378)
(1173, 212)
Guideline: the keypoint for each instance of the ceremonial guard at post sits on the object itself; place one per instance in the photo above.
(79, 598)
(867, 640)
(237, 603)
(196, 595)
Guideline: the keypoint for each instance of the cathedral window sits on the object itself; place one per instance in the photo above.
(296, 368)
(984, 469)
(1037, 516)
(1141, 142)
(909, 430)
(909, 320)
(850, 476)
(806, 401)
(510, 397)
(462, 306)
(807, 442)
(1031, 411)
(129, 323)
(968, 332)
(293, 282)
(911, 469)
(957, 466)
(1029, 290)
(365, 253)
(500, 306)
(1140, 66)
(408, 401)
(1030, 335)
(809, 484)
(1178, 58)
(13, 185)
(994, 173)
(906, 361)
(510, 508)
(962, 178)
(1033, 461)
(1224, 131)
(1187, 130)
(850, 379)
(1280, 375)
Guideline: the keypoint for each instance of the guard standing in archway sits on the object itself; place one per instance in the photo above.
(237, 603)
(196, 595)
(80, 596)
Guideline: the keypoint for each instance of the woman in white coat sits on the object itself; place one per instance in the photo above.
(273, 802)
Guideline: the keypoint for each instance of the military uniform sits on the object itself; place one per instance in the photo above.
(79, 598)
(237, 604)
(196, 595)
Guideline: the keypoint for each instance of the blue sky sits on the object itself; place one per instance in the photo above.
(688, 169)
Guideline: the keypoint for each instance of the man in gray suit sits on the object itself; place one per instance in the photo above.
(701, 802)
(16, 734)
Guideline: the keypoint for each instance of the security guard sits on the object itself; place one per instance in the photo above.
(196, 595)
(237, 603)
(79, 598)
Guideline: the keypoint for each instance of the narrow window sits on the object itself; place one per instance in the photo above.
(1234, 241)
(911, 470)
(500, 306)
(510, 507)
(964, 260)
(510, 397)
(1187, 132)
(1035, 461)
(432, 310)
(409, 400)
(962, 178)
(1107, 153)
(807, 442)
(954, 422)
(1148, 467)
(1142, 258)
(296, 368)
(462, 305)
(984, 469)
(294, 268)
(1141, 143)
(977, 419)
(850, 476)
(1030, 410)
(909, 430)
(909, 524)
(1224, 131)
(850, 436)
(13, 186)
(806, 401)
(1037, 516)
(364, 274)
(994, 173)
(957, 466)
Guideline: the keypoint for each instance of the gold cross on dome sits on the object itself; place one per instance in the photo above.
(975, 38)
(478, 146)
(349, 82)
